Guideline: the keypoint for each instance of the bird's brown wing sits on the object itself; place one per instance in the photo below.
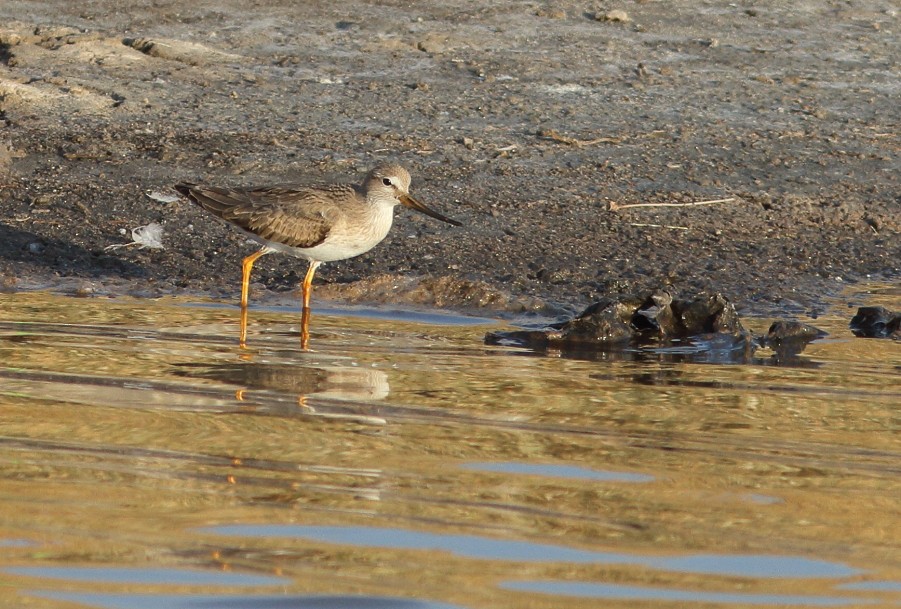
(283, 214)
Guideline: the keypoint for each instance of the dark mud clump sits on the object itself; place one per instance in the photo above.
(653, 319)
(658, 322)
(876, 322)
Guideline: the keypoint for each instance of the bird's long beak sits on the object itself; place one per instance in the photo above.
(414, 204)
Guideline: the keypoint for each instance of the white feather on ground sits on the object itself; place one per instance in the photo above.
(149, 236)
(162, 197)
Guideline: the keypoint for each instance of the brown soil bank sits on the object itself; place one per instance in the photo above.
(523, 120)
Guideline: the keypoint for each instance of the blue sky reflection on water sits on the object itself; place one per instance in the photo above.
(210, 601)
(558, 471)
(132, 575)
(486, 548)
(645, 593)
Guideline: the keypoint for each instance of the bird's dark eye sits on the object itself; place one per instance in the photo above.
(386, 181)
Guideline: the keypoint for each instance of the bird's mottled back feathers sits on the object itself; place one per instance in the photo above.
(293, 215)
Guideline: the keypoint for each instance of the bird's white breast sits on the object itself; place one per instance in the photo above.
(351, 235)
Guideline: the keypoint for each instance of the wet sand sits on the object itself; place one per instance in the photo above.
(525, 121)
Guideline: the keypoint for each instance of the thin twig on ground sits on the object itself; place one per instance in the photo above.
(565, 139)
(614, 206)
(658, 226)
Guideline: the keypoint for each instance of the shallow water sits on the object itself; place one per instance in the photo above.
(147, 462)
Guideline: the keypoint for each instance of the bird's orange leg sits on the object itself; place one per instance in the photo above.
(307, 285)
(305, 288)
(246, 267)
(242, 339)
(305, 328)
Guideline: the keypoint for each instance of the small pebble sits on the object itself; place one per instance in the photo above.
(614, 15)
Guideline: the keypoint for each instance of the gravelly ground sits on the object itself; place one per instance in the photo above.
(523, 120)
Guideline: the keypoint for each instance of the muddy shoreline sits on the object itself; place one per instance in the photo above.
(524, 121)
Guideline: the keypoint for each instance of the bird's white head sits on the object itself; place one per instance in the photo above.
(388, 182)
(391, 184)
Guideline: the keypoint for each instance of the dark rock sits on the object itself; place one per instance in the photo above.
(782, 332)
(655, 316)
(711, 314)
(789, 338)
(656, 319)
(876, 322)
